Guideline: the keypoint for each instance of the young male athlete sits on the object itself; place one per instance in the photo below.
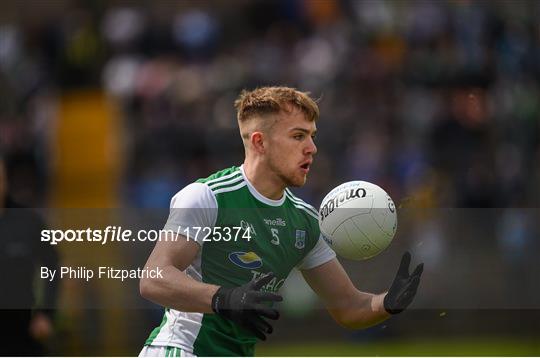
(242, 232)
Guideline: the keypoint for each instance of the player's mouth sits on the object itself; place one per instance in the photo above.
(304, 167)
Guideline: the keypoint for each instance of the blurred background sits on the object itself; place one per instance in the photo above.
(119, 104)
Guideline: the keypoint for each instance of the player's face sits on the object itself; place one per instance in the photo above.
(291, 148)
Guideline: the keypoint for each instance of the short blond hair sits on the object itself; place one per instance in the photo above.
(272, 100)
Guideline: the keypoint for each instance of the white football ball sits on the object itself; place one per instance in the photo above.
(358, 220)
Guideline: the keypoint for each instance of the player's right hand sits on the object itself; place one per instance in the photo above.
(244, 305)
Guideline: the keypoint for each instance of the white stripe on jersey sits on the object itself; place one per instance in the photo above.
(309, 212)
(227, 182)
(228, 176)
(300, 204)
(231, 188)
(298, 200)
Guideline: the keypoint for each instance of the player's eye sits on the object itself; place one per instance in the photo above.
(299, 136)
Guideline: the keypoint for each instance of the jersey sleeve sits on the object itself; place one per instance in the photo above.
(192, 209)
(319, 254)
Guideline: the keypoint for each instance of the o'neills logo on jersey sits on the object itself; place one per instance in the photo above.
(247, 260)
(275, 222)
(341, 198)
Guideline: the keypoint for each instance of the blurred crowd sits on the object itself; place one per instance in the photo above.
(437, 101)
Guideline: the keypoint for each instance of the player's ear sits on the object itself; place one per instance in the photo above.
(257, 141)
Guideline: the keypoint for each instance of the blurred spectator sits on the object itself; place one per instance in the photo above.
(25, 326)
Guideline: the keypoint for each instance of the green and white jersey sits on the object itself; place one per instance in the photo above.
(284, 234)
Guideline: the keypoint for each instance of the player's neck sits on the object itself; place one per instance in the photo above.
(267, 185)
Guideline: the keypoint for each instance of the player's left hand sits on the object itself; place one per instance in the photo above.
(403, 289)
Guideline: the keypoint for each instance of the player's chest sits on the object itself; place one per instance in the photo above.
(260, 243)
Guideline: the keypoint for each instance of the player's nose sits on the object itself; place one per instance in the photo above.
(311, 148)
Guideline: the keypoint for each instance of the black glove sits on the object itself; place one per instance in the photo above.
(243, 305)
(403, 289)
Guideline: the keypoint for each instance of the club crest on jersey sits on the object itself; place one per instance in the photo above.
(300, 242)
(247, 260)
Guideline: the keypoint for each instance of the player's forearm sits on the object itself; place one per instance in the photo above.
(361, 311)
(178, 291)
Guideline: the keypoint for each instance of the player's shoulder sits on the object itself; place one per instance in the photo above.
(221, 175)
(192, 196)
(224, 180)
(203, 191)
(305, 209)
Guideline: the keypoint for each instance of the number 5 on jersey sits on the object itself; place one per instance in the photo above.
(275, 236)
